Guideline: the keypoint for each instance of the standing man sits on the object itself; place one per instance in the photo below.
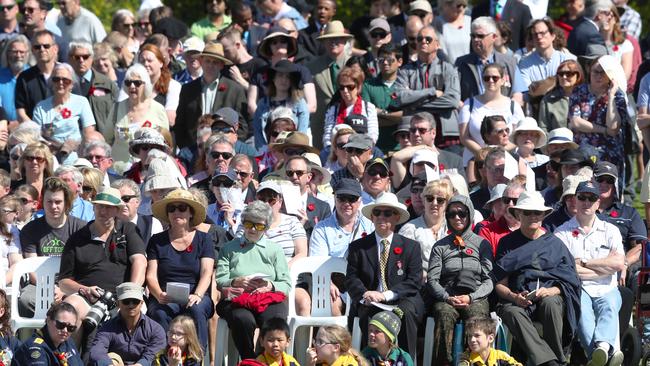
(8, 20)
(77, 24)
(630, 20)
(34, 13)
(431, 85)
(18, 54)
(215, 21)
(513, 12)
(270, 11)
(587, 31)
(244, 66)
(385, 267)
(325, 13)
(100, 91)
(31, 85)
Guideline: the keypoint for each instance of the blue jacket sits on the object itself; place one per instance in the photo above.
(39, 350)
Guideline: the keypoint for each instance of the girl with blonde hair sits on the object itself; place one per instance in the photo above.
(183, 346)
(333, 346)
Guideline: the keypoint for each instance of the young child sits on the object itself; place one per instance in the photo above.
(275, 340)
(8, 343)
(333, 347)
(382, 338)
(183, 346)
(480, 334)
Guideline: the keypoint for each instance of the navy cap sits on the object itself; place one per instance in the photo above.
(588, 187)
(225, 175)
(571, 156)
(226, 115)
(348, 186)
(358, 122)
(605, 168)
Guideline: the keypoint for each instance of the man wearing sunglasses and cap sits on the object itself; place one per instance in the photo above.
(385, 267)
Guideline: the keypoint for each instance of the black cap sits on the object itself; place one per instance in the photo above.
(574, 156)
(420, 180)
(348, 186)
(227, 174)
(587, 187)
(171, 27)
(605, 168)
(358, 122)
(226, 115)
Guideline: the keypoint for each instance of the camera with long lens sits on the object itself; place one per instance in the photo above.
(100, 310)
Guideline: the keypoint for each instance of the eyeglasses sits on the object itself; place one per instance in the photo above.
(567, 74)
(131, 302)
(462, 214)
(507, 200)
(7, 211)
(87, 189)
(379, 35)
(223, 183)
(63, 325)
(82, 57)
(224, 130)
(501, 130)
(7, 7)
(128, 25)
(426, 39)
(14, 157)
(411, 39)
(390, 60)
(128, 197)
(416, 189)
(420, 130)
(492, 78)
(439, 200)
(478, 36)
(587, 197)
(354, 150)
(257, 225)
(372, 172)
(539, 34)
(242, 174)
(271, 200)
(181, 207)
(175, 334)
(218, 154)
(38, 159)
(26, 10)
(92, 158)
(293, 151)
(129, 83)
(532, 213)
(291, 173)
(606, 13)
(319, 342)
(346, 198)
(386, 213)
(58, 79)
(606, 179)
(348, 87)
(37, 47)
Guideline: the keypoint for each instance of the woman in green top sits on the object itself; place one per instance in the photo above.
(251, 264)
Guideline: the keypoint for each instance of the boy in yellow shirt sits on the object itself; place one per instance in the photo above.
(480, 333)
(275, 340)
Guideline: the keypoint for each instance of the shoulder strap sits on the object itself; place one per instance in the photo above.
(512, 107)
(471, 104)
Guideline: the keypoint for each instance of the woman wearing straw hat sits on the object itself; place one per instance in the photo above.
(180, 254)
(528, 137)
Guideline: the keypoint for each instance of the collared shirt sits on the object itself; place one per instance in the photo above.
(6, 35)
(631, 22)
(330, 239)
(628, 221)
(599, 242)
(208, 94)
(496, 358)
(82, 209)
(140, 347)
(517, 84)
(534, 67)
(388, 294)
(396, 356)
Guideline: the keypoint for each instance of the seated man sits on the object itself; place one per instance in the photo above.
(385, 267)
(599, 255)
(131, 334)
(536, 280)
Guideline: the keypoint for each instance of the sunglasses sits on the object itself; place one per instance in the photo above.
(420, 130)
(379, 35)
(143, 24)
(280, 40)
(386, 213)
(7, 7)
(242, 174)
(390, 60)
(130, 302)
(37, 47)
(87, 189)
(478, 36)
(507, 200)
(139, 148)
(341, 146)
(587, 197)
(63, 325)
(606, 179)
(492, 78)
(439, 200)
(82, 57)
(181, 207)
(348, 87)
(345, 198)
(223, 183)
(460, 213)
(378, 172)
(291, 173)
(426, 39)
(14, 157)
(26, 10)
(271, 200)
(128, 25)
(127, 198)
(293, 152)
(257, 225)
(532, 213)
(38, 159)
(58, 79)
(416, 190)
(130, 82)
(219, 154)
(354, 151)
(567, 74)
(224, 130)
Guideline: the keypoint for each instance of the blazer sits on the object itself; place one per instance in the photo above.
(103, 96)
(515, 13)
(320, 212)
(469, 73)
(583, 34)
(190, 108)
(403, 273)
(325, 89)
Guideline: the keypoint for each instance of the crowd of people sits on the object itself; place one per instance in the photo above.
(468, 161)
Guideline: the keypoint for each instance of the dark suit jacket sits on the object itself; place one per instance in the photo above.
(515, 13)
(582, 35)
(102, 105)
(229, 94)
(307, 40)
(30, 89)
(363, 268)
(320, 212)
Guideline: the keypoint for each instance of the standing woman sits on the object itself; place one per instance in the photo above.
(554, 107)
(180, 254)
(166, 90)
(454, 26)
(139, 110)
(617, 44)
(124, 22)
(598, 114)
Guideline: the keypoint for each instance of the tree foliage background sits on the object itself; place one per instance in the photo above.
(192, 10)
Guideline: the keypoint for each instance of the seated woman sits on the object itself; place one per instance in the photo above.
(35, 164)
(226, 211)
(458, 276)
(251, 264)
(180, 254)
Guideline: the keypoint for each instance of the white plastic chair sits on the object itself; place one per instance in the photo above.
(46, 270)
(321, 269)
(225, 342)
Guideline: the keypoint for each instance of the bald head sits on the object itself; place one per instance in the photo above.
(413, 25)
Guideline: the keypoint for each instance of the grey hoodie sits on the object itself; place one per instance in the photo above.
(447, 260)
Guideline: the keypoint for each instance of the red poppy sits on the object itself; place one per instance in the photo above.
(408, 202)
(575, 233)
(311, 207)
(66, 113)
(615, 48)
(364, 234)
(613, 214)
(469, 251)
(91, 91)
(371, 70)
(112, 247)
(189, 249)
(441, 166)
(222, 87)
(397, 250)
(393, 96)
(146, 123)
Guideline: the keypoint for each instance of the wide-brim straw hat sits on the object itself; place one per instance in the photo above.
(108, 196)
(334, 29)
(387, 199)
(180, 195)
(530, 201)
(295, 139)
(264, 48)
(214, 50)
(529, 124)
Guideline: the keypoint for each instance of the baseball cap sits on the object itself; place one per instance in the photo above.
(360, 141)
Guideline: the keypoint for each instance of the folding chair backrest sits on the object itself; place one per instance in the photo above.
(321, 269)
(46, 270)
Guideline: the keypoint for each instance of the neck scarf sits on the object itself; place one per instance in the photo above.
(356, 109)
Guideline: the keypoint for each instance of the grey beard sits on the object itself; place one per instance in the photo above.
(17, 66)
